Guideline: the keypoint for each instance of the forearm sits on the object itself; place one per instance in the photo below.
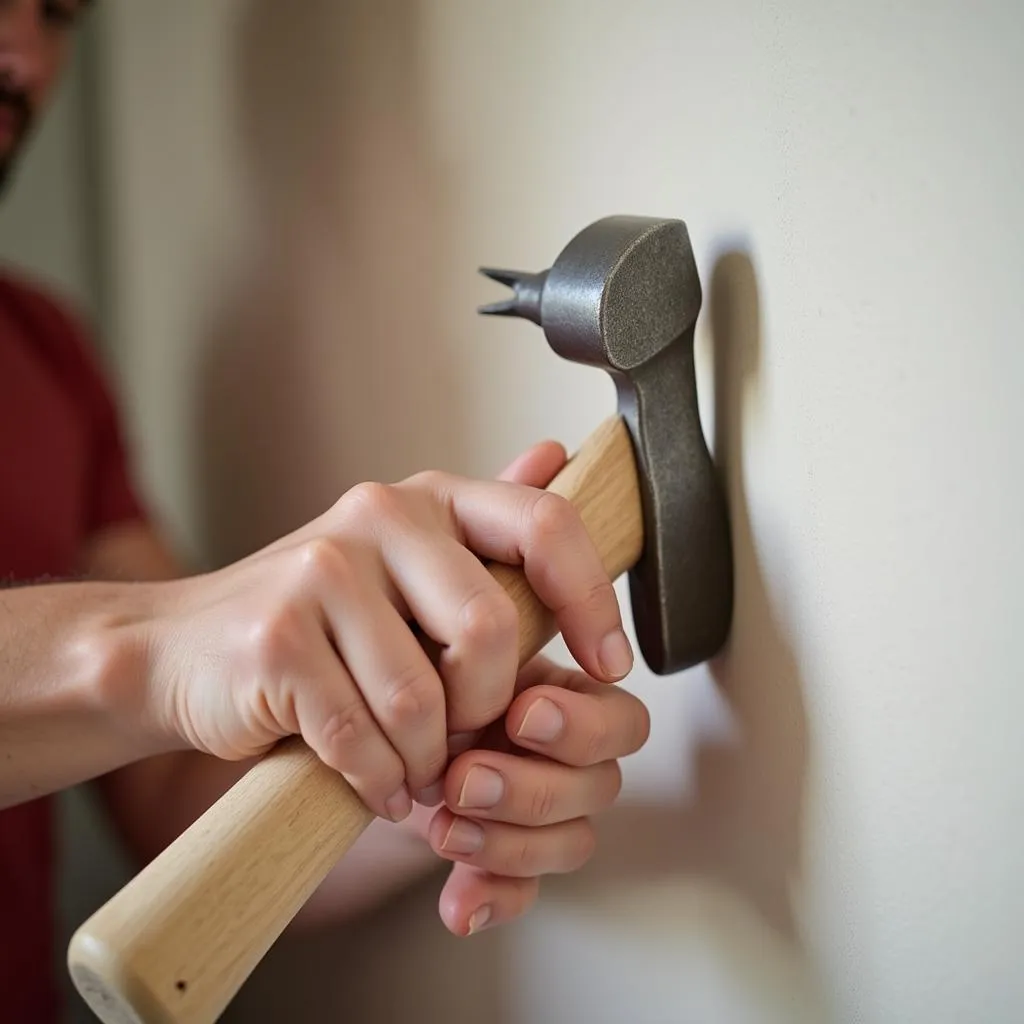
(153, 801)
(72, 702)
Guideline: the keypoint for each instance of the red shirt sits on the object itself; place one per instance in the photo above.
(63, 477)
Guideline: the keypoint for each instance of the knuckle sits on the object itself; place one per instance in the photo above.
(613, 783)
(434, 480)
(347, 728)
(600, 594)
(276, 637)
(320, 558)
(553, 516)
(565, 678)
(542, 803)
(471, 708)
(488, 618)
(372, 501)
(584, 845)
(521, 857)
(431, 771)
(596, 748)
(641, 728)
(412, 696)
(432, 491)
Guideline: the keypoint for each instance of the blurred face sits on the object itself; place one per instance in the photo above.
(35, 41)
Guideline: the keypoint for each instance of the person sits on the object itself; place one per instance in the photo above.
(160, 686)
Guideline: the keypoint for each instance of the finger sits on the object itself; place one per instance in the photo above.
(545, 534)
(457, 602)
(391, 669)
(472, 900)
(541, 669)
(578, 721)
(537, 466)
(514, 851)
(528, 790)
(337, 724)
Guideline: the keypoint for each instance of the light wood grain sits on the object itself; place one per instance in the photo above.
(176, 943)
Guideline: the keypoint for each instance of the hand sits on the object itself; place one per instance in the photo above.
(517, 805)
(312, 635)
(554, 757)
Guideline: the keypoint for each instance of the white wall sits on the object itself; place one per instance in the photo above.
(827, 824)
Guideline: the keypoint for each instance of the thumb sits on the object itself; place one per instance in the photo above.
(537, 466)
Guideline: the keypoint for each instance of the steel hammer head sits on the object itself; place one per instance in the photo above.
(624, 294)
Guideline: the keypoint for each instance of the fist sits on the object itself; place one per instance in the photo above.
(319, 634)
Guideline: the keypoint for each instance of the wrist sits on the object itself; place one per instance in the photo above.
(114, 652)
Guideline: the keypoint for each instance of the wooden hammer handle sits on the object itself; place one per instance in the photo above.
(179, 940)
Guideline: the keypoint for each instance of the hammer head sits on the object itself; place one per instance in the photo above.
(624, 294)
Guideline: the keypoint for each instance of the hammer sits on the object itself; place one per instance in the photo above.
(179, 940)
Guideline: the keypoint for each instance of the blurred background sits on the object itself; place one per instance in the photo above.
(272, 213)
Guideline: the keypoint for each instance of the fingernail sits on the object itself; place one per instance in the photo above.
(399, 804)
(483, 788)
(463, 837)
(615, 654)
(479, 919)
(543, 721)
(431, 796)
(459, 742)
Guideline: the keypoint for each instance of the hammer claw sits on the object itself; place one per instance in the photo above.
(528, 289)
(624, 295)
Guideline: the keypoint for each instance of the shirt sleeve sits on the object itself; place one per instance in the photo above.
(111, 496)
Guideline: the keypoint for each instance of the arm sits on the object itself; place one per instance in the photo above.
(68, 655)
(152, 801)
(237, 660)
(539, 825)
(311, 636)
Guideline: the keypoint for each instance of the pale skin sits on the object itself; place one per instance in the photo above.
(164, 687)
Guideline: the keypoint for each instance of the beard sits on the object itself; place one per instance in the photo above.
(15, 105)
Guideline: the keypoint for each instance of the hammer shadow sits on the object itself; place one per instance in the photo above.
(742, 826)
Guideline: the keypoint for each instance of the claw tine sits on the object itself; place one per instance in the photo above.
(507, 277)
(528, 290)
(507, 307)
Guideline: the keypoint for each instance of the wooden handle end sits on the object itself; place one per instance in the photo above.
(104, 979)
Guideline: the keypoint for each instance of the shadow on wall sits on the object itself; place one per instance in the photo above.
(742, 828)
(326, 365)
(324, 368)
